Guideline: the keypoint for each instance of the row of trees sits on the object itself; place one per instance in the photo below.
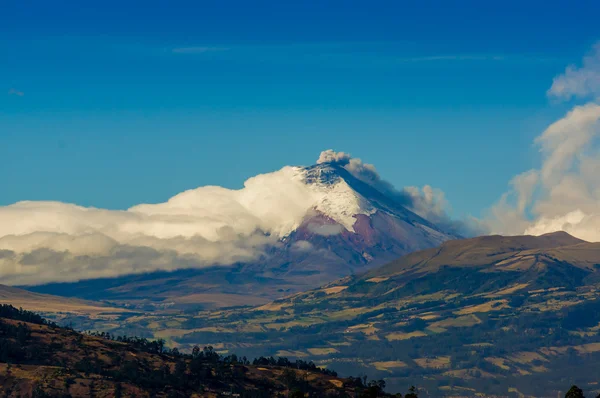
(208, 354)
(375, 388)
(576, 392)
(19, 314)
(179, 373)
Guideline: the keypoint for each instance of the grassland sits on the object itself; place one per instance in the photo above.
(494, 316)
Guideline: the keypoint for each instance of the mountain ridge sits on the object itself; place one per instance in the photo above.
(353, 225)
(486, 247)
(496, 314)
(45, 303)
(41, 359)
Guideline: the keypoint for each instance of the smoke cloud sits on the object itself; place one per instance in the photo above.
(44, 242)
(365, 172)
(51, 241)
(428, 202)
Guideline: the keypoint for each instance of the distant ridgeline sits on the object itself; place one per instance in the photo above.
(494, 315)
(40, 359)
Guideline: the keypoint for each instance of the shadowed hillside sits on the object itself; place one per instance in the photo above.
(54, 304)
(493, 315)
(40, 359)
(349, 225)
(490, 315)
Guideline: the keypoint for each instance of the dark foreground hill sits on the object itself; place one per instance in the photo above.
(40, 359)
(492, 315)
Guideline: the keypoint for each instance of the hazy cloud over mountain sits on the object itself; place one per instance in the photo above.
(53, 241)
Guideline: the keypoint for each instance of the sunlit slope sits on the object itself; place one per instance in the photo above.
(493, 313)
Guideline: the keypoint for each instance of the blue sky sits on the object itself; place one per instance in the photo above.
(111, 104)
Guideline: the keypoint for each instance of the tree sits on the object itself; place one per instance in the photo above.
(296, 394)
(574, 392)
(412, 393)
(23, 334)
(38, 392)
(195, 351)
(179, 373)
(118, 390)
(166, 370)
(160, 344)
(68, 381)
(91, 391)
(289, 378)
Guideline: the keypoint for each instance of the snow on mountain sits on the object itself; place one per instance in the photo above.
(336, 199)
(351, 226)
(338, 211)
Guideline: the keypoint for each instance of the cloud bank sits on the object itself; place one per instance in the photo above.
(563, 194)
(50, 241)
(44, 242)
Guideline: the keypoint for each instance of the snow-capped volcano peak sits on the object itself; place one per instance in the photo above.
(335, 197)
(354, 219)
(323, 174)
(340, 205)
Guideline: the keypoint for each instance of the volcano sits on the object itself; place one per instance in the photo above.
(314, 224)
(352, 226)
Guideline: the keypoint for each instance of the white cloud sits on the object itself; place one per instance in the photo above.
(564, 141)
(581, 81)
(197, 50)
(52, 241)
(455, 57)
(302, 246)
(431, 204)
(564, 192)
(16, 92)
(428, 202)
(325, 229)
(200, 227)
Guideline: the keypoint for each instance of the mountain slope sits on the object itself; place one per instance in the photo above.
(354, 226)
(44, 303)
(478, 251)
(488, 315)
(350, 226)
(39, 359)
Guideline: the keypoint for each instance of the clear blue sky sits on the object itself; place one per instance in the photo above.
(110, 104)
